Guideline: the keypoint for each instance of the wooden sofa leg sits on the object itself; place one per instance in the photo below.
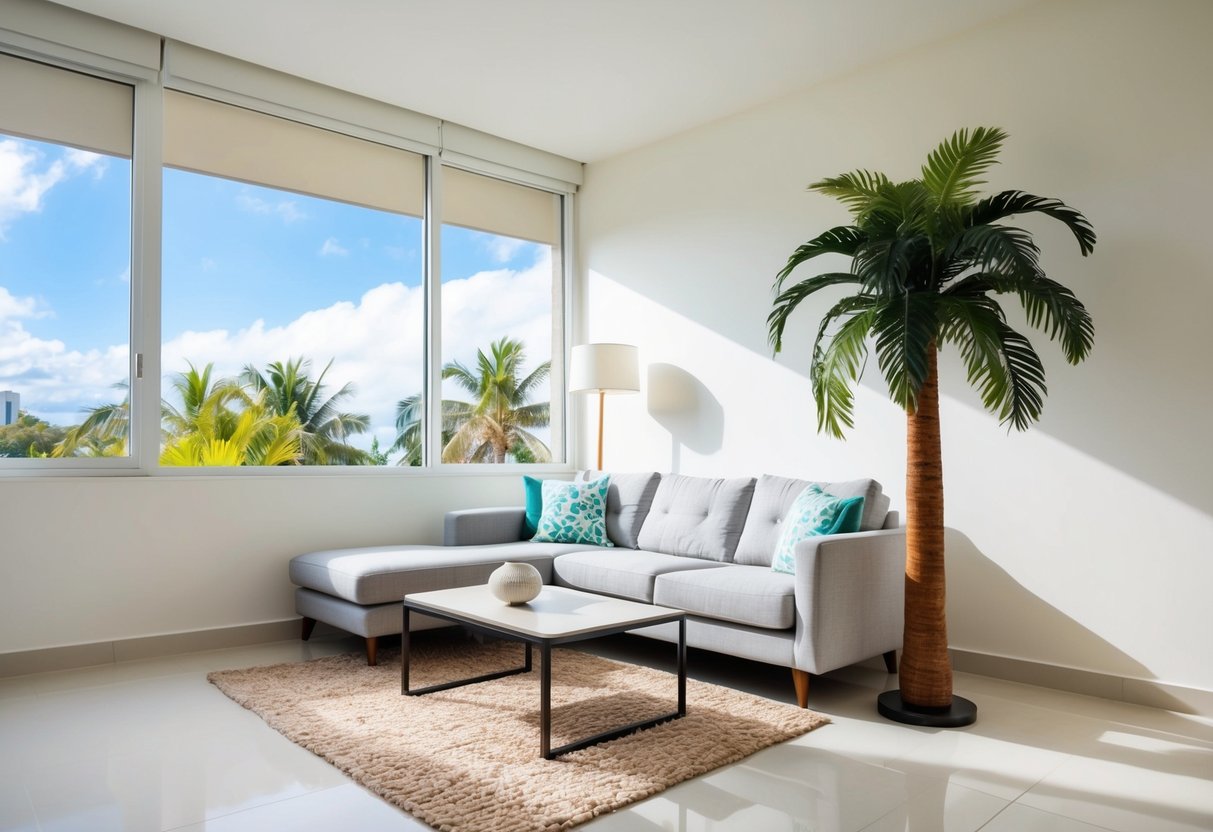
(800, 678)
(890, 661)
(309, 624)
(372, 651)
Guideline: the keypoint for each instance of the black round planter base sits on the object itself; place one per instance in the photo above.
(891, 706)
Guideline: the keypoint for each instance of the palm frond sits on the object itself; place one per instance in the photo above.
(953, 170)
(1050, 307)
(1009, 203)
(844, 239)
(538, 449)
(996, 248)
(836, 367)
(973, 325)
(855, 190)
(791, 297)
(1026, 375)
(905, 330)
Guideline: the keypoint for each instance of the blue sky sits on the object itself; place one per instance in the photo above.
(250, 274)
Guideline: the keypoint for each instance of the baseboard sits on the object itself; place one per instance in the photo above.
(1147, 692)
(1150, 693)
(145, 647)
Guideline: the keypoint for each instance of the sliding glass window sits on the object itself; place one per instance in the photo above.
(502, 268)
(65, 263)
(293, 306)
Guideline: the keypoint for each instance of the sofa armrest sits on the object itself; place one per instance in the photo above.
(850, 598)
(483, 526)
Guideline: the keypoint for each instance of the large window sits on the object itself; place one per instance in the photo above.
(293, 305)
(215, 264)
(501, 280)
(65, 263)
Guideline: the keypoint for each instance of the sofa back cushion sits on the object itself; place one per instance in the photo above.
(773, 496)
(628, 502)
(697, 517)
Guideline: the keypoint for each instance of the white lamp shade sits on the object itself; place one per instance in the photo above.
(604, 368)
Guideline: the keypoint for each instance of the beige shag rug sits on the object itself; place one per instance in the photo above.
(467, 759)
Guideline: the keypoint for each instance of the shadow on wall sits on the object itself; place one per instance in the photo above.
(682, 405)
(1012, 620)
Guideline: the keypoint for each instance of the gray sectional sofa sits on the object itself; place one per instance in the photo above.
(693, 543)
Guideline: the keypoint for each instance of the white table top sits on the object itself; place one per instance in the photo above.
(555, 613)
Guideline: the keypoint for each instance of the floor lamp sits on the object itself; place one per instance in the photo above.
(602, 369)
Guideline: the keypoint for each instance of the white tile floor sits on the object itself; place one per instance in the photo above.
(151, 745)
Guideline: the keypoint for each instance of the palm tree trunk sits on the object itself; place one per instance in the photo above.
(926, 671)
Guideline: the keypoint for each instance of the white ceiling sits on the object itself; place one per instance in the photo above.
(583, 78)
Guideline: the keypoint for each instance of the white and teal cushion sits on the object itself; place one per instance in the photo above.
(574, 512)
(814, 513)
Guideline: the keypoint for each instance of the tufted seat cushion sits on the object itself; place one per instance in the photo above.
(622, 573)
(745, 594)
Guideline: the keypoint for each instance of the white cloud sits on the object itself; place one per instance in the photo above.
(15, 307)
(286, 209)
(25, 179)
(333, 248)
(54, 381)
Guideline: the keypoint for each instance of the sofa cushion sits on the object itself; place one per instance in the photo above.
(745, 594)
(697, 517)
(628, 502)
(773, 497)
(380, 574)
(622, 573)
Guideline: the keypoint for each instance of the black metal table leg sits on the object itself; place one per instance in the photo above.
(405, 653)
(682, 666)
(545, 701)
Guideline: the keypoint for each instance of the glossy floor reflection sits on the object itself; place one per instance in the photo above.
(151, 745)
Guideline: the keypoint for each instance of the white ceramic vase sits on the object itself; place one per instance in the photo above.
(515, 583)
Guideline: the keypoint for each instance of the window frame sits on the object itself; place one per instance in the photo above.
(144, 179)
(145, 335)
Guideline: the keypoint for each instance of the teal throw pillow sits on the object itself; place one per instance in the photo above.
(574, 512)
(534, 505)
(814, 513)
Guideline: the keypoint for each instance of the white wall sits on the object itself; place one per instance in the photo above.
(101, 559)
(1087, 542)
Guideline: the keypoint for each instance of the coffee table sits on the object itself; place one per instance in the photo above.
(557, 616)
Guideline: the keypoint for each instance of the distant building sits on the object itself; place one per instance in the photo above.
(10, 406)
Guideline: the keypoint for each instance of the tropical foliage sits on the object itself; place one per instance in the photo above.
(929, 260)
(495, 426)
(281, 415)
(323, 429)
(29, 436)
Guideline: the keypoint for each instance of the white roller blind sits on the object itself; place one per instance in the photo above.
(208, 137)
(498, 207)
(50, 104)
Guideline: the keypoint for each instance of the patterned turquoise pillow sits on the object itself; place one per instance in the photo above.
(574, 512)
(814, 513)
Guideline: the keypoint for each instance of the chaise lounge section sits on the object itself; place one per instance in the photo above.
(694, 543)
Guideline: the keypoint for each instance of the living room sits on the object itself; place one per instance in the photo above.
(1077, 560)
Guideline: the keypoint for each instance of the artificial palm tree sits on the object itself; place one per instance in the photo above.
(928, 258)
(324, 428)
(496, 422)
